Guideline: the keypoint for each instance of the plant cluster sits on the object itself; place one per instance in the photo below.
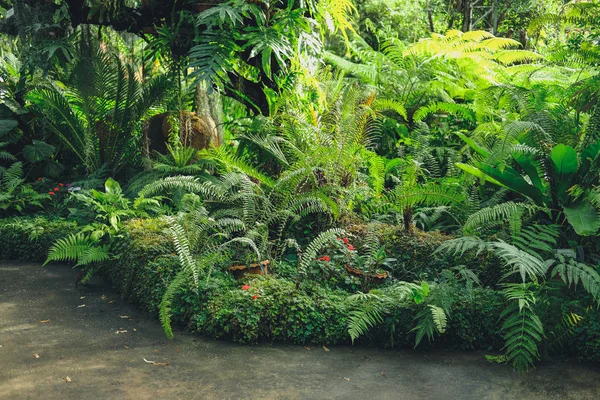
(362, 184)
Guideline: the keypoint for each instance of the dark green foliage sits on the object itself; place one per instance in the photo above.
(279, 312)
(29, 238)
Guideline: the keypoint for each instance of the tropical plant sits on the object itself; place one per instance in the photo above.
(104, 213)
(15, 194)
(529, 264)
(97, 109)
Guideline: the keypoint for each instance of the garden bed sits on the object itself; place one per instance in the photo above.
(272, 308)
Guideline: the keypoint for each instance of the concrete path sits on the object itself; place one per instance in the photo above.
(50, 331)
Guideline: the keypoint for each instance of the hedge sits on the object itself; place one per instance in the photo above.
(29, 238)
(147, 262)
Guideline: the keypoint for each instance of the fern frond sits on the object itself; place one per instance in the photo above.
(70, 248)
(572, 273)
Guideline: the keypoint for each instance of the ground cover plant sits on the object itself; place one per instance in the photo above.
(303, 172)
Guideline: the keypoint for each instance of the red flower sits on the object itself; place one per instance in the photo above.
(61, 184)
(39, 179)
(56, 189)
(51, 193)
(324, 258)
(254, 297)
(346, 241)
(351, 248)
(245, 287)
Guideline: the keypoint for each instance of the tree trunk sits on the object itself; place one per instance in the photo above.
(430, 17)
(467, 15)
(209, 107)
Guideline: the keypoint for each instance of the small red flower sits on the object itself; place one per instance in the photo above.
(346, 241)
(56, 189)
(61, 184)
(254, 297)
(51, 193)
(324, 258)
(39, 179)
(351, 248)
(245, 287)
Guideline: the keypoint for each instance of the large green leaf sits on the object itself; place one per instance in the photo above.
(477, 173)
(7, 125)
(514, 181)
(532, 168)
(482, 151)
(564, 159)
(112, 187)
(588, 156)
(584, 218)
(38, 151)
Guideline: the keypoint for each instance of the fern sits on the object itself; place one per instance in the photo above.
(70, 248)
(449, 108)
(572, 273)
(519, 261)
(563, 331)
(500, 214)
(187, 183)
(311, 251)
(429, 321)
(522, 328)
(165, 307)
(439, 318)
(460, 246)
(370, 314)
(537, 239)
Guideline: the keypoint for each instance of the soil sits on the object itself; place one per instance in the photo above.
(49, 330)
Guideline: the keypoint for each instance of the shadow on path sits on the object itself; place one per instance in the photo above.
(100, 343)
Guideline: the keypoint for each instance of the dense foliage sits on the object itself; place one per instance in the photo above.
(317, 171)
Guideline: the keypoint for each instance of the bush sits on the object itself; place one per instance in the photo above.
(29, 238)
(270, 308)
(474, 321)
(414, 251)
(145, 263)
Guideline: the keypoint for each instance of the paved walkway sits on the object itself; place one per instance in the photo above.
(50, 331)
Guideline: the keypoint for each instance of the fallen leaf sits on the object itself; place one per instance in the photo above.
(67, 379)
(325, 348)
(124, 316)
(177, 350)
(83, 305)
(123, 331)
(347, 378)
(110, 302)
(135, 330)
(384, 375)
(307, 348)
(103, 297)
(156, 351)
(36, 355)
(125, 347)
(82, 297)
(157, 362)
(43, 321)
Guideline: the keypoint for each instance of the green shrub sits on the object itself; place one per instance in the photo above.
(474, 321)
(414, 252)
(273, 309)
(145, 263)
(29, 238)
